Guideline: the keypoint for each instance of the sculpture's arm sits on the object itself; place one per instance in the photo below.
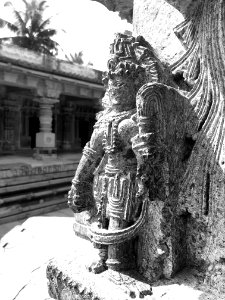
(80, 196)
(146, 144)
(144, 148)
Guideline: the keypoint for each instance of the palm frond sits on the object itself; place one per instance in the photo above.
(26, 3)
(67, 57)
(47, 33)
(35, 22)
(42, 5)
(8, 3)
(20, 21)
(44, 23)
(12, 27)
(21, 41)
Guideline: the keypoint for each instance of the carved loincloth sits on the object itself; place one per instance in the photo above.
(114, 193)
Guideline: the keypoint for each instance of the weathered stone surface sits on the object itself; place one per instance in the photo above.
(124, 7)
(155, 21)
(69, 279)
(186, 7)
(26, 250)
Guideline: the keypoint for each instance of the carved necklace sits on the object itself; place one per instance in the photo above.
(111, 142)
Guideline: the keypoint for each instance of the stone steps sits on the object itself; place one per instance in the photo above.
(18, 212)
(27, 190)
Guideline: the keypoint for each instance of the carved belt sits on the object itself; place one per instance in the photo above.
(111, 237)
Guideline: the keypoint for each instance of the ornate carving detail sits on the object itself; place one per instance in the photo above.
(202, 191)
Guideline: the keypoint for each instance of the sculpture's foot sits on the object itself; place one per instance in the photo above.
(133, 287)
(98, 267)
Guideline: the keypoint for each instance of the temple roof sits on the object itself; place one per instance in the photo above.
(31, 60)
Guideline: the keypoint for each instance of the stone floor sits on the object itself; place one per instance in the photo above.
(26, 247)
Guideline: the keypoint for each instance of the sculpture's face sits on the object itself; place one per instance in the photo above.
(121, 92)
(121, 87)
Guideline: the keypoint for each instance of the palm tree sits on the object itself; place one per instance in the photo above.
(31, 29)
(76, 58)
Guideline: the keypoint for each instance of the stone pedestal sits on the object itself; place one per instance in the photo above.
(70, 280)
(45, 139)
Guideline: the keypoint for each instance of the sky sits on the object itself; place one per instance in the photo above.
(87, 26)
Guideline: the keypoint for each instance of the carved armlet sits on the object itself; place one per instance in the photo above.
(144, 146)
(90, 153)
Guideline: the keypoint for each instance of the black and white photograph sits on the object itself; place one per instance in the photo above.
(112, 149)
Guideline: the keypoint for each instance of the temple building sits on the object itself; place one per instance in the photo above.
(46, 105)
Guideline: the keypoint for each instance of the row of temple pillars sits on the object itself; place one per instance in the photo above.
(46, 125)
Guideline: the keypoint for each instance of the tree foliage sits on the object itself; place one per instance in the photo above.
(76, 58)
(31, 29)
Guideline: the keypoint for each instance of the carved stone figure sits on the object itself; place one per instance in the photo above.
(112, 177)
(179, 147)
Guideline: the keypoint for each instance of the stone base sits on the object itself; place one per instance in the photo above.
(70, 280)
(45, 153)
(45, 140)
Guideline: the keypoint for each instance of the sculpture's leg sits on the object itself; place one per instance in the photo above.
(120, 256)
(100, 266)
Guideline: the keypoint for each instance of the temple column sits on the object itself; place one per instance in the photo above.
(67, 128)
(45, 139)
(11, 125)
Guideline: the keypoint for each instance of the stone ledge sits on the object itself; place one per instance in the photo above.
(70, 280)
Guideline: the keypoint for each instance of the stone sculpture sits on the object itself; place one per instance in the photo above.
(185, 153)
(118, 164)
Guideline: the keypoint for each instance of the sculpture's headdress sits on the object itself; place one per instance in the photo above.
(134, 58)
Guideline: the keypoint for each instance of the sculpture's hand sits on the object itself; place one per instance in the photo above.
(80, 200)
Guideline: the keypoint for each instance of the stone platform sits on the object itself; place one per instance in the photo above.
(48, 241)
(69, 279)
(26, 247)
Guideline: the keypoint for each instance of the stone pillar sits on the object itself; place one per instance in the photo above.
(11, 125)
(45, 139)
(67, 128)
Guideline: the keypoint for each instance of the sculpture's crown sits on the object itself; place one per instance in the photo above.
(130, 57)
